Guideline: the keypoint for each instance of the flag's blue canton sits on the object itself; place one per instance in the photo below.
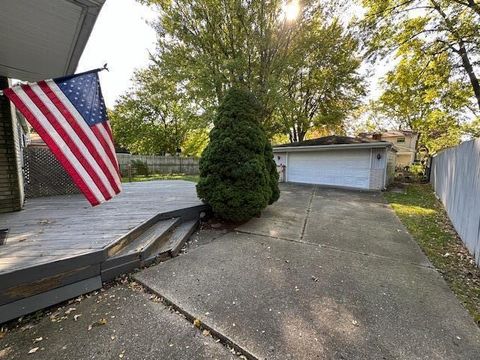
(84, 93)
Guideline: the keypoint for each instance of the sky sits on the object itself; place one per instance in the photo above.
(121, 38)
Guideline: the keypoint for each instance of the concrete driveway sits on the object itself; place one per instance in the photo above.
(323, 273)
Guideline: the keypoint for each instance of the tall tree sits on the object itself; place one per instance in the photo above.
(155, 117)
(208, 46)
(238, 176)
(442, 26)
(211, 45)
(420, 95)
(321, 85)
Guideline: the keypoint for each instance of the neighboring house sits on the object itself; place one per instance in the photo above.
(338, 161)
(404, 141)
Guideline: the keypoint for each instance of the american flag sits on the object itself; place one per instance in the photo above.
(69, 114)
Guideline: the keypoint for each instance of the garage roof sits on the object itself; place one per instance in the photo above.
(332, 142)
(44, 38)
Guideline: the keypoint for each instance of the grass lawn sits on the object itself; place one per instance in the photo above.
(193, 178)
(426, 219)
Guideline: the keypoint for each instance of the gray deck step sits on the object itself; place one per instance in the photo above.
(149, 238)
(172, 246)
(179, 237)
(76, 258)
(130, 256)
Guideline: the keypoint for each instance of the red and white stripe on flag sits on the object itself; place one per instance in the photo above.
(69, 115)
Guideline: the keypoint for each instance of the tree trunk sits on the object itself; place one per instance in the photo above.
(469, 69)
(293, 134)
(462, 51)
(301, 135)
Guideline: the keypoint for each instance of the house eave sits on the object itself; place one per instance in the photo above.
(44, 38)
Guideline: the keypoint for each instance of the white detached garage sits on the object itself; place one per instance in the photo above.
(338, 161)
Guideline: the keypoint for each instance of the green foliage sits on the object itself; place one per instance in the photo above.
(151, 177)
(433, 28)
(303, 71)
(426, 219)
(421, 95)
(195, 142)
(273, 175)
(155, 117)
(434, 88)
(417, 169)
(321, 85)
(472, 129)
(236, 168)
(140, 168)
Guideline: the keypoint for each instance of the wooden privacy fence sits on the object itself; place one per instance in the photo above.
(456, 179)
(158, 164)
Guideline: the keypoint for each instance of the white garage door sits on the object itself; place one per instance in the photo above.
(349, 168)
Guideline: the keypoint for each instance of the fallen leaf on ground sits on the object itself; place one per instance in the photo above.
(4, 352)
(38, 339)
(97, 323)
(34, 350)
(75, 317)
(70, 310)
(206, 333)
(197, 323)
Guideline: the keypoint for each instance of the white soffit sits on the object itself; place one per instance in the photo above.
(44, 38)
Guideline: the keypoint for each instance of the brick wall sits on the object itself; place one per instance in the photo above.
(10, 194)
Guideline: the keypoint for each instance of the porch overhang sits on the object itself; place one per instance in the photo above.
(44, 38)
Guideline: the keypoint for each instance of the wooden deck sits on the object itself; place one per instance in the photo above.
(56, 227)
(56, 241)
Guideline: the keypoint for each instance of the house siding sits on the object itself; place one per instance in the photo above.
(405, 151)
(11, 196)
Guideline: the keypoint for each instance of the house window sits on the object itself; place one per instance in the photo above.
(400, 140)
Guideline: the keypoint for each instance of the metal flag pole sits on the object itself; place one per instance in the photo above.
(104, 67)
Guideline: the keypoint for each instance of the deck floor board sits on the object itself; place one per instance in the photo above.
(52, 228)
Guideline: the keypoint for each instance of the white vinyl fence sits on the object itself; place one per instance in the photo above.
(456, 179)
(159, 164)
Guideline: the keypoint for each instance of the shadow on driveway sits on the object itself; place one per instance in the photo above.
(326, 274)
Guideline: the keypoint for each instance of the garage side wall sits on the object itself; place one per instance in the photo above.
(378, 162)
(391, 164)
(281, 162)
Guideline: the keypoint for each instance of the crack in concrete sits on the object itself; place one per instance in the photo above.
(224, 339)
(309, 208)
(430, 267)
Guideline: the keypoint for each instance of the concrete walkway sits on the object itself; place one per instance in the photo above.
(122, 322)
(325, 274)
